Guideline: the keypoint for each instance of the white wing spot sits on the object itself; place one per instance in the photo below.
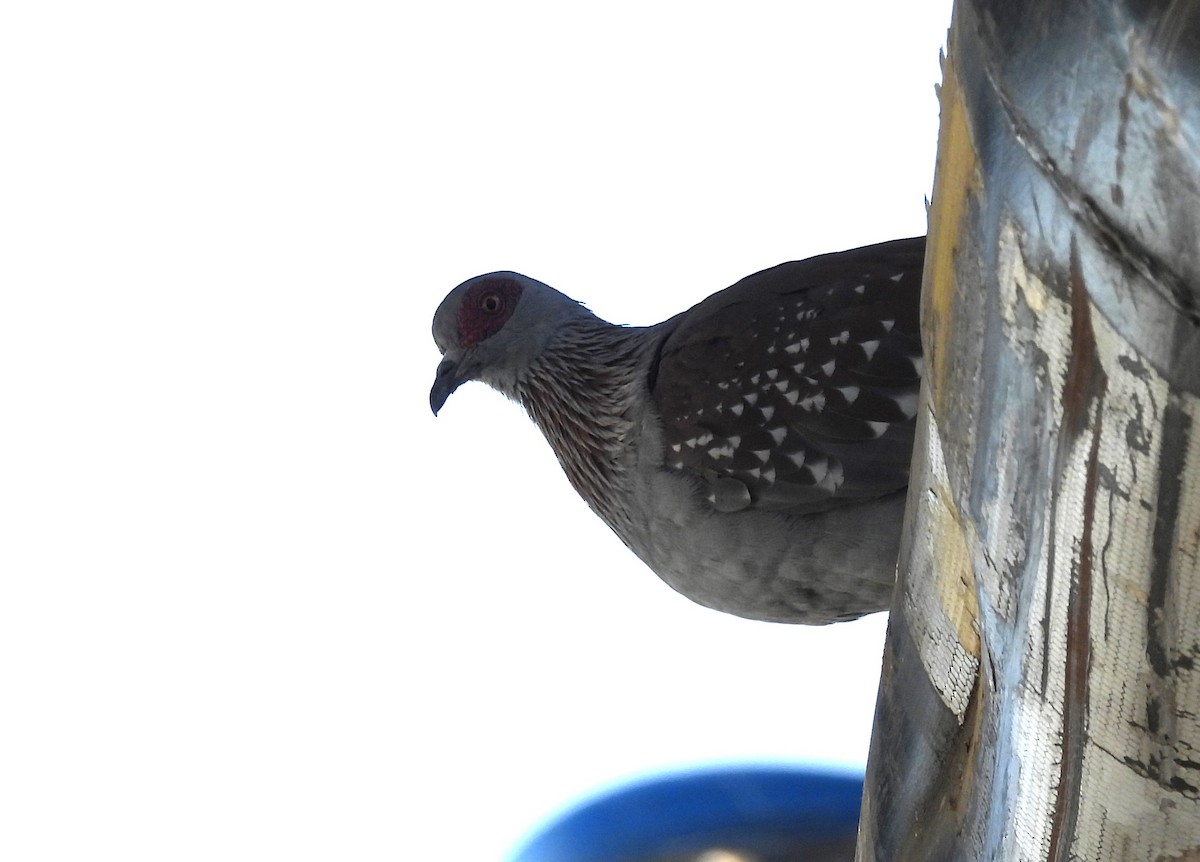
(792, 397)
(737, 409)
(777, 434)
(897, 276)
(887, 325)
(828, 367)
(869, 347)
(768, 412)
(860, 289)
(907, 404)
(849, 393)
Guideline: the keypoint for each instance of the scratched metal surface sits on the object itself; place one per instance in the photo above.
(1041, 689)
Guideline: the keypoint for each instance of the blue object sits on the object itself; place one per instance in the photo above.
(774, 812)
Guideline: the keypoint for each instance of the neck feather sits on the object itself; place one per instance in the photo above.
(581, 392)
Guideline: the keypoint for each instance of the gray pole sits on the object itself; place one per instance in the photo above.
(1040, 697)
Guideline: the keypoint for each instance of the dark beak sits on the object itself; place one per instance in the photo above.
(444, 384)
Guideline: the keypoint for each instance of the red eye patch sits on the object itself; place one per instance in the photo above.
(486, 307)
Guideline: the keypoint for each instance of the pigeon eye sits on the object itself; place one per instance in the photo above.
(491, 303)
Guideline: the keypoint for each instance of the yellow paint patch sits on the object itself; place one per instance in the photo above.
(955, 576)
(957, 178)
(941, 607)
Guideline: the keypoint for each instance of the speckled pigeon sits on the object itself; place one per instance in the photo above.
(753, 450)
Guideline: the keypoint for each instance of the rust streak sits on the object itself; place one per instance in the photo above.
(1084, 374)
(1085, 385)
(1079, 661)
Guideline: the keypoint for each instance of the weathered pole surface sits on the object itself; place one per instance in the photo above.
(1040, 697)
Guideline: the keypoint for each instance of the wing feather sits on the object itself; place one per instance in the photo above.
(799, 382)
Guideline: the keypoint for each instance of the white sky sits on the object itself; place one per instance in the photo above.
(256, 602)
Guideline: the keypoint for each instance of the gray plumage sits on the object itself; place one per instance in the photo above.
(753, 450)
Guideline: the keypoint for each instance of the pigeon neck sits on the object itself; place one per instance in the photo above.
(581, 392)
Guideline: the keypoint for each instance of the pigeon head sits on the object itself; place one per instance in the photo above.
(492, 328)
